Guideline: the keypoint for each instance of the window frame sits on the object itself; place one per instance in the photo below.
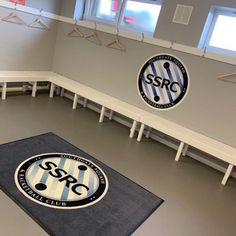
(90, 8)
(79, 9)
(217, 11)
(123, 8)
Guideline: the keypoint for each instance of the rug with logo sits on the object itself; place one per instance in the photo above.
(69, 192)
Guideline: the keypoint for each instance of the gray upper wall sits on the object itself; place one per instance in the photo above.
(186, 34)
(67, 8)
(53, 6)
(209, 107)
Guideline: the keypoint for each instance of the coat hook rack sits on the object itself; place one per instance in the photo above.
(116, 44)
(14, 18)
(230, 78)
(75, 32)
(39, 23)
(93, 37)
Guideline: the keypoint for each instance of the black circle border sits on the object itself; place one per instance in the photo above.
(64, 204)
(184, 71)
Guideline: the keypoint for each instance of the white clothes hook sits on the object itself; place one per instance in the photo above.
(204, 51)
(142, 40)
(117, 31)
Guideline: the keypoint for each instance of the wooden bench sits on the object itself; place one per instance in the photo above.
(106, 101)
(186, 136)
(22, 76)
(125, 109)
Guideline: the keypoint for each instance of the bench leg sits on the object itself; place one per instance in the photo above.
(133, 128)
(85, 102)
(52, 90)
(75, 101)
(62, 92)
(4, 91)
(101, 119)
(34, 89)
(58, 91)
(148, 132)
(140, 134)
(111, 115)
(227, 174)
(180, 150)
(185, 150)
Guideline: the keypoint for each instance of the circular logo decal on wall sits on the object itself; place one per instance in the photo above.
(163, 81)
(61, 180)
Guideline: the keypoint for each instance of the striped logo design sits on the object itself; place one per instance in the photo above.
(163, 82)
(61, 180)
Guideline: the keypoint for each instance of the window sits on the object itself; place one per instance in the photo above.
(103, 10)
(224, 33)
(140, 16)
(106, 11)
(220, 32)
(133, 15)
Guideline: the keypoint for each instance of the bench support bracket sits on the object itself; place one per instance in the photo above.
(62, 92)
(140, 134)
(101, 119)
(180, 150)
(34, 89)
(85, 102)
(133, 128)
(227, 174)
(111, 115)
(148, 132)
(185, 150)
(75, 101)
(58, 91)
(4, 91)
(52, 90)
